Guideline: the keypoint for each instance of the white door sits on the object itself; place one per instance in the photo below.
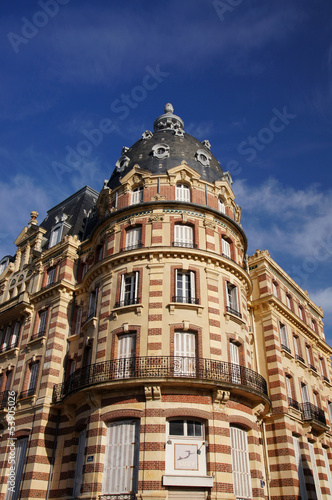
(184, 354)
(235, 366)
(298, 458)
(240, 463)
(126, 355)
(314, 471)
(121, 458)
(79, 464)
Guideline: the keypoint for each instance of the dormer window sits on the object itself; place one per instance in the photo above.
(221, 205)
(160, 151)
(57, 230)
(137, 195)
(122, 163)
(203, 157)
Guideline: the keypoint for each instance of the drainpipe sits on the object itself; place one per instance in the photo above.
(53, 454)
(206, 196)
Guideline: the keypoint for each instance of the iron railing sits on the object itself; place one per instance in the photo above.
(128, 302)
(300, 358)
(312, 412)
(286, 348)
(325, 378)
(156, 367)
(233, 311)
(312, 367)
(119, 496)
(27, 393)
(9, 346)
(185, 244)
(39, 334)
(131, 247)
(294, 404)
(185, 300)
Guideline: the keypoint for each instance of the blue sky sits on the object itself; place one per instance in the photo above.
(253, 77)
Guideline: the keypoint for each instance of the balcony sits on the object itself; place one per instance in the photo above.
(131, 247)
(286, 348)
(299, 358)
(26, 394)
(200, 371)
(294, 404)
(185, 300)
(184, 244)
(120, 496)
(38, 335)
(233, 311)
(128, 302)
(315, 415)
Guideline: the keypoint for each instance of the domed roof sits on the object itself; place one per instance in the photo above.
(167, 147)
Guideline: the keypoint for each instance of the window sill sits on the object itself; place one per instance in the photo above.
(31, 342)
(183, 305)
(314, 372)
(194, 481)
(286, 354)
(73, 337)
(132, 307)
(92, 321)
(300, 363)
(327, 383)
(13, 351)
(230, 316)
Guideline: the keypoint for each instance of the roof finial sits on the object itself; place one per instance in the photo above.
(168, 108)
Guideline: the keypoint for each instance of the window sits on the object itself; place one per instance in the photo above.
(50, 276)
(42, 323)
(160, 151)
(314, 325)
(297, 348)
(32, 378)
(184, 354)
(309, 356)
(183, 236)
(120, 474)
(284, 337)
(15, 335)
(240, 463)
(323, 369)
(275, 288)
(20, 454)
(232, 303)
(182, 192)
(79, 464)
(185, 287)
(93, 304)
(226, 248)
(84, 270)
(78, 320)
(129, 290)
(56, 235)
(134, 238)
(203, 157)
(5, 344)
(301, 312)
(288, 301)
(304, 393)
(235, 363)
(126, 355)
(185, 449)
(4, 263)
(289, 387)
(221, 205)
(137, 195)
(99, 253)
(329, 407)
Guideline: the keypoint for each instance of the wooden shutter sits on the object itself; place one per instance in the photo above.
(20, 450)
(314, 471)
(283, 334)
(126, 354)
(184, 353)
(8, 380)
(121, 458)
(79, 463)
(240, 463)
(329, 407)
(221, 205)
(192, 285)
(226, 248)
(298, 458)
(235, 368)
(122, 289)
(289, 388)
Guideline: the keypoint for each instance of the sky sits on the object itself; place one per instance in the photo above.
(80, 79)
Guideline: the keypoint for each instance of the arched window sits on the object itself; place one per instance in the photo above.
(182, 192)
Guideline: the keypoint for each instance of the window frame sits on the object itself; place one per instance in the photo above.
(182, 192)
(132, 289)
(185, 294)
(137, 195)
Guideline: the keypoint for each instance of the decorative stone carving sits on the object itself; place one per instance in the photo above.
(124, 150)
(156, 218)
(147, 135)
(206, 143)
(203, 157)
(220, 396)
(148, 392)
(122, 163)
(160, 151)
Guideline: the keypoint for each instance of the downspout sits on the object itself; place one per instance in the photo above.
(53, 454)
(206, 196)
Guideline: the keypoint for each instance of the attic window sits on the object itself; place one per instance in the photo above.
(122, 163)
(203, 157)
(160, 151)
(57, 230)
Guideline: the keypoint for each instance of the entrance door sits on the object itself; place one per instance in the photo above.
(120, 474)
(126, 355)
(184, 354)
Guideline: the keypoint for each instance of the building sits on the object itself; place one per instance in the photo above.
(147, 357)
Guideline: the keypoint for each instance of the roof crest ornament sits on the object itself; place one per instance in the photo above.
(168, 121)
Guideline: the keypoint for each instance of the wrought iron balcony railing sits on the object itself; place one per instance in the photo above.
(39, 334)
(294, 404)
(9, 346)
(185, 244)
(312, 412)
(233, 311)
(157, 367)
(312, 367)
(300, 358)
(325, 378)
(185, 300)
(128, 302)
(118, 496)
(132, 247)
(286, 348)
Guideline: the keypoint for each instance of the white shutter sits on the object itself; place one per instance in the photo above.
(289, 388)
(240, 463)
(121, 458)
(305, 394)
(192, 286)
(184, 353)
(235, 368)
(314, 471)
(228, 300)
(221, 205)
(79, 464)
(20, 451)
(135, 285)
(133, 237)
(274, 289)
(33, 375)
(7, 338)
(126, 353)
(296, 346)
(122, 289)
(78, 320)
(298, 458)
(226, 248)
(329, 406)
(283, 334)
(328, 470)
(15, 334)
(307, 349)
